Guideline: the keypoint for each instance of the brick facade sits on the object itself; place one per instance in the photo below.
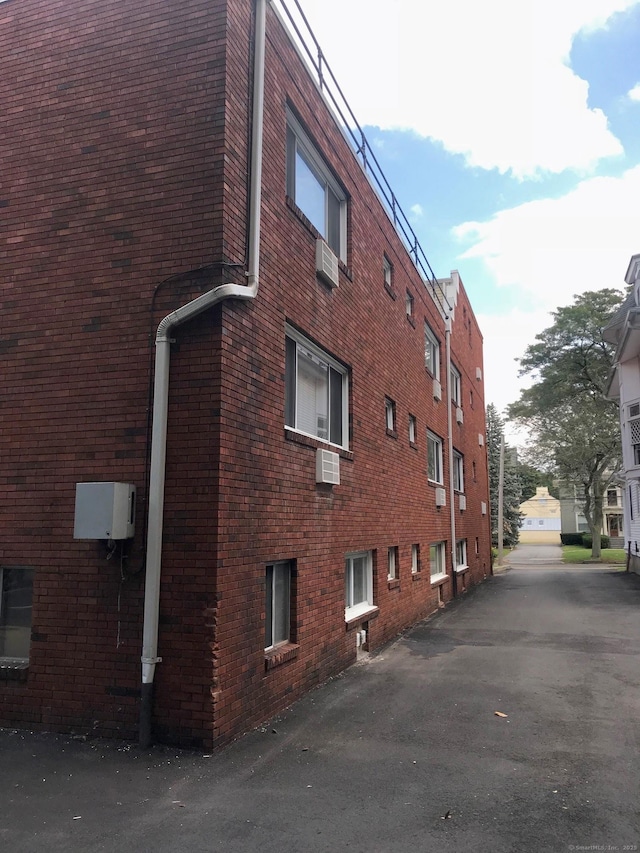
(124, 195)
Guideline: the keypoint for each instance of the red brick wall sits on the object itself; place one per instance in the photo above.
(126, 171)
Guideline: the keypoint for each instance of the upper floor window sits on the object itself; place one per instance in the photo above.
(408, 304)
(387, 272)
(612, 497)
(431, 352)
(413, 429)
(458, 471)
(314, 189)
(316, 391)
(434, 458)
(456, 396)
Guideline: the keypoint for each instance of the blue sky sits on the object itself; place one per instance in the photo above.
(510, 131)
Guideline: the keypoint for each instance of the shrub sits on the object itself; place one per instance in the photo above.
(587, 540)
(571, 538)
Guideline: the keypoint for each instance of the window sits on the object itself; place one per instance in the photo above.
(415, 559)
(358, 584)
(390, 414)
(612, 497)
(408, 304)
(413, 429)
(392, 563)
(473, 469)
(314, 189)
(461, 553)
(458, 471)
(387, 270)
(278, 604)
(431, 352)
(455, 386)
(16, 595)
(316, 391)
(434, 458)
(436, 560)
(477, 545)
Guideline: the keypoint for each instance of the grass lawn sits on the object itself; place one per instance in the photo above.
(578, 554)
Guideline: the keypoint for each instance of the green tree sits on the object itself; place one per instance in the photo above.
(574, 426)
(511, 515)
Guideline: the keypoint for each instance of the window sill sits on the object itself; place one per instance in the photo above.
(354, 616)
(393, 583)
(438, 580)
(390, 291)
(416, 576)
(413, 445)
(14, 670)
(293, 207)
(410, 321)
(460, 570)
(309, 441)
(392, 433)
(279, 655)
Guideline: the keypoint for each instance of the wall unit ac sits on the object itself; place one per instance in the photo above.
(483, 507)
(480, 439)
(459, 415)
(479, 374)
(437, 390)
(441, 497)
(463, 501)
(327, 467)
(326, 264)
(104, 511)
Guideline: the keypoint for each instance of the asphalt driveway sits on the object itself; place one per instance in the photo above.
(402, 753)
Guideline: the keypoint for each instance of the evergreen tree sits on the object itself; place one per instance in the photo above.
(511, 515)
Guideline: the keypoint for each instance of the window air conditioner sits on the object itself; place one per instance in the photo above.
(479, 374)
(437, 390)
(459, 415)
(326, 264)
(463, 501)
(327, 467)
(483, 507)
(480, 439)
(441, 497)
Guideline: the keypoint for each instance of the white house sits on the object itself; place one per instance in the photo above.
(624, 386)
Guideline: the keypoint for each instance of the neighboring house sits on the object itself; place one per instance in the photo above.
(308, 476)
(574, 521)
(541, 518)
(624, 387)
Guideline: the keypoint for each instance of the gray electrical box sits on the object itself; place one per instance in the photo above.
(105, 511)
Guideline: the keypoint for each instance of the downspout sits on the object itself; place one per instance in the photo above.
(452, 501)
(161, 383)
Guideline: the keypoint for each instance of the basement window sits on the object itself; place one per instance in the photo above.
(16, 596)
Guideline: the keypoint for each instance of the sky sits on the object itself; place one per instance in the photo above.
(510, 134)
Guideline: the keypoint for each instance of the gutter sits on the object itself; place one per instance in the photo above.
(452, 501)
(161, 384)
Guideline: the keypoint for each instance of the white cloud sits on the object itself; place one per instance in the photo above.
(551, 249)
(634, 94)
(416, 210)
(489, 80)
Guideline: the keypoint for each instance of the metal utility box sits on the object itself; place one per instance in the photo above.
(105, 511)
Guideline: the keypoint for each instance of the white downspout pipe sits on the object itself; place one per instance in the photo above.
(452, 497)
(161, 384)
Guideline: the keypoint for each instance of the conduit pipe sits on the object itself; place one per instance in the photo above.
(161, 383)
(452, 501)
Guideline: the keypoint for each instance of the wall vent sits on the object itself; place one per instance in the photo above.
(326, 264)
(459, 415)
(483, 507)
(327, 467)
(463, 501)
(437, 390)
(441, 497)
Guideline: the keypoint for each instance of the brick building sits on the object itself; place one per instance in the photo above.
(141, 141)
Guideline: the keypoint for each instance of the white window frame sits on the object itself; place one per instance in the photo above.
(455, 377)
(292, 417)
(392, 563)
(458, 471)
(11, 634)
(352, 608)
(431, 351)
(434, 458)
(413, 429)
(415, 559)
(461, 554)
(437, 561)
(408, 305)
(277, 613)
(390, 414)
(387, 270)
(335, 199)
